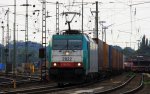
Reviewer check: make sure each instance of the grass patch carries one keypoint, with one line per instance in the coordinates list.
(147, 82)
(130, 74)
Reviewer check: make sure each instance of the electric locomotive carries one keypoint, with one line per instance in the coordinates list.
(73, 57)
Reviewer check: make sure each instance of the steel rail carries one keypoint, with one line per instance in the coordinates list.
(115, 88)
(137, 88)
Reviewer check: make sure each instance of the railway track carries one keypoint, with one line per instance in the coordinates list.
(116, 90)
(146, 87)
(31, 90)
(5, 81)
(10, 75)
(131, 86)
(91, 89)
(54, 89)
(50, 88)
(8, 83)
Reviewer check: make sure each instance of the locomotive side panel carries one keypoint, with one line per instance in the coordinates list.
(93, 57)
(100, 55)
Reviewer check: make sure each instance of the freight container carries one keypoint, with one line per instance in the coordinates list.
(121, 60)
(110, 57)
(117, 58)
(2, 67)
(106, 56)
(114, 59)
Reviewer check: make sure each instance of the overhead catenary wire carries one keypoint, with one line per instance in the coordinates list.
(109, 18)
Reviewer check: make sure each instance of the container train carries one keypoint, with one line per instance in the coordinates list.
(75, 57)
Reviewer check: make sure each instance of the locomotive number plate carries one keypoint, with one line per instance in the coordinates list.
(66, 58)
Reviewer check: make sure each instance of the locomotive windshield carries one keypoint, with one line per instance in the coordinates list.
(60, 44)
(67, 44)
(74, 44)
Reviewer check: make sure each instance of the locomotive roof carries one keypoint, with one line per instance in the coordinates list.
(71, 32)
(73, 36)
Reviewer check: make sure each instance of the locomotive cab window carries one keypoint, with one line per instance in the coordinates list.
(74, 44)
(59, 44)
(67, 45)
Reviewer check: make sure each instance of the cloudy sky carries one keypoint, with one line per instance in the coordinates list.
(117, 15)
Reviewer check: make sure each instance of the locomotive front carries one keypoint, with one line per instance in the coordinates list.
(66, 59)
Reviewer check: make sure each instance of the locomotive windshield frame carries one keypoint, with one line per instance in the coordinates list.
(69, 44)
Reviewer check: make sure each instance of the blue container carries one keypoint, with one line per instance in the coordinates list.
(2, 67)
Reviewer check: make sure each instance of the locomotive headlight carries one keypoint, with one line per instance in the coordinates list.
(54, 64)
(67, 53)
(79, 64)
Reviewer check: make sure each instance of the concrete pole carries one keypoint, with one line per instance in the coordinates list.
(82, 16)
(14, 40)
(96, 20)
